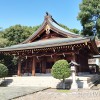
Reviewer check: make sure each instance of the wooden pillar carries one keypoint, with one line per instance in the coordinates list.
(19, 67)
(55, 58)
(44, 65)
(26, 66)
(33, 66)
(73, 57)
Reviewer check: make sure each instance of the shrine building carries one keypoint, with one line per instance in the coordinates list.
(50, 43)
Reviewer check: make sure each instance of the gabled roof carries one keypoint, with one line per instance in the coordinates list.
(49, 23)
(48, 20)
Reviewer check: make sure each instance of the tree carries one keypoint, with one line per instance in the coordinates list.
(11, 36)
(61, 70)
(89, 17)
(17, 34)
(3, 41)
(3, 70)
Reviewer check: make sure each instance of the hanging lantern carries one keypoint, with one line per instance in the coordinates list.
(26, 57)
(54, 50)
(85, 43)
(72, 48)
(63, 54)
(51, 56)
(37, 57)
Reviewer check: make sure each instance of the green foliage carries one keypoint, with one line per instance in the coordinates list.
(11, 36)
(89, 17)
(3, 70)
(3, 41)
(17, 34)
(61, 70)
(72, 30)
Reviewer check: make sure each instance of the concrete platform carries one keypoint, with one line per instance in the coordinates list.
(87, 81)
(46, 80)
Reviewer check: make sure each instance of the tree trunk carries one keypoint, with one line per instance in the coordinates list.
(63, 84)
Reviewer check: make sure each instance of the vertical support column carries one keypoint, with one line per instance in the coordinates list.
(74, 60)
(26, 66)
(33, 66)
(19, 67)
(55, 58)
(44, 65)
(73, 57)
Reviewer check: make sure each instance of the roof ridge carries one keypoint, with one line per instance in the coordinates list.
(52, 20)
(49, 16)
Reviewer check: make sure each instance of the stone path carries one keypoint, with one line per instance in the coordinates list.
(7, 93)
(51, 94)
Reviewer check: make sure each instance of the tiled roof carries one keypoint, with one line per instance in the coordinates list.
(53, 25)
(46, 43)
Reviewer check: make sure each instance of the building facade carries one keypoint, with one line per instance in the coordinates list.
(50, 43)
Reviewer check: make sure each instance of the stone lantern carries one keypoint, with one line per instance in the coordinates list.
(73, 70)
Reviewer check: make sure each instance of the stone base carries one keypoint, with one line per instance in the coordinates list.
(46, 80)
(87, 81)
(74, 86)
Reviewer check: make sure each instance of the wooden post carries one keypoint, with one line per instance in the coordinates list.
(73, 57)
(55, 58)
(44, 65)
(19, 67)
(33, 66)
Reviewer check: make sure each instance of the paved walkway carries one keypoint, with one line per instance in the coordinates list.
(29, 92)
(7, 93)
(54, 95)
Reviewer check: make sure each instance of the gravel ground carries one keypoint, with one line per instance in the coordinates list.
(41, 93)
(52, 94)
(7, 93)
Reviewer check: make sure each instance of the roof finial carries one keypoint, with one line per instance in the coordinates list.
(48, 16)
(47, 13)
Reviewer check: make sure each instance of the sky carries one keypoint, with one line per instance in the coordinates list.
(32, 12)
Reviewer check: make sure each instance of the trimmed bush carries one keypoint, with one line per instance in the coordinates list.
(3, 70)
(61, 70)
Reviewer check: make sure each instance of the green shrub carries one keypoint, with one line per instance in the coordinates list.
(61, 70)
(3, 70)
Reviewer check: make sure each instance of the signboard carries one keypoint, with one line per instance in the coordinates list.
(94, 61)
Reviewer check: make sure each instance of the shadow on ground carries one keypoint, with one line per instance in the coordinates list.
(68, 83)
(6, 82)
(96, 85)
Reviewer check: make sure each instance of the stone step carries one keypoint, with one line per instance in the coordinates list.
(49, 81)
(33, 81)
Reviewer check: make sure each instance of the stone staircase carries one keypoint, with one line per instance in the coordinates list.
(37, 81)
(46, 80)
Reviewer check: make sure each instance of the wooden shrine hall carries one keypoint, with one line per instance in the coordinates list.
(48, 44)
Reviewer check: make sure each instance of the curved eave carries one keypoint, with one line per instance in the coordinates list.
(59, 29)
(35, 33)
(46, 44)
